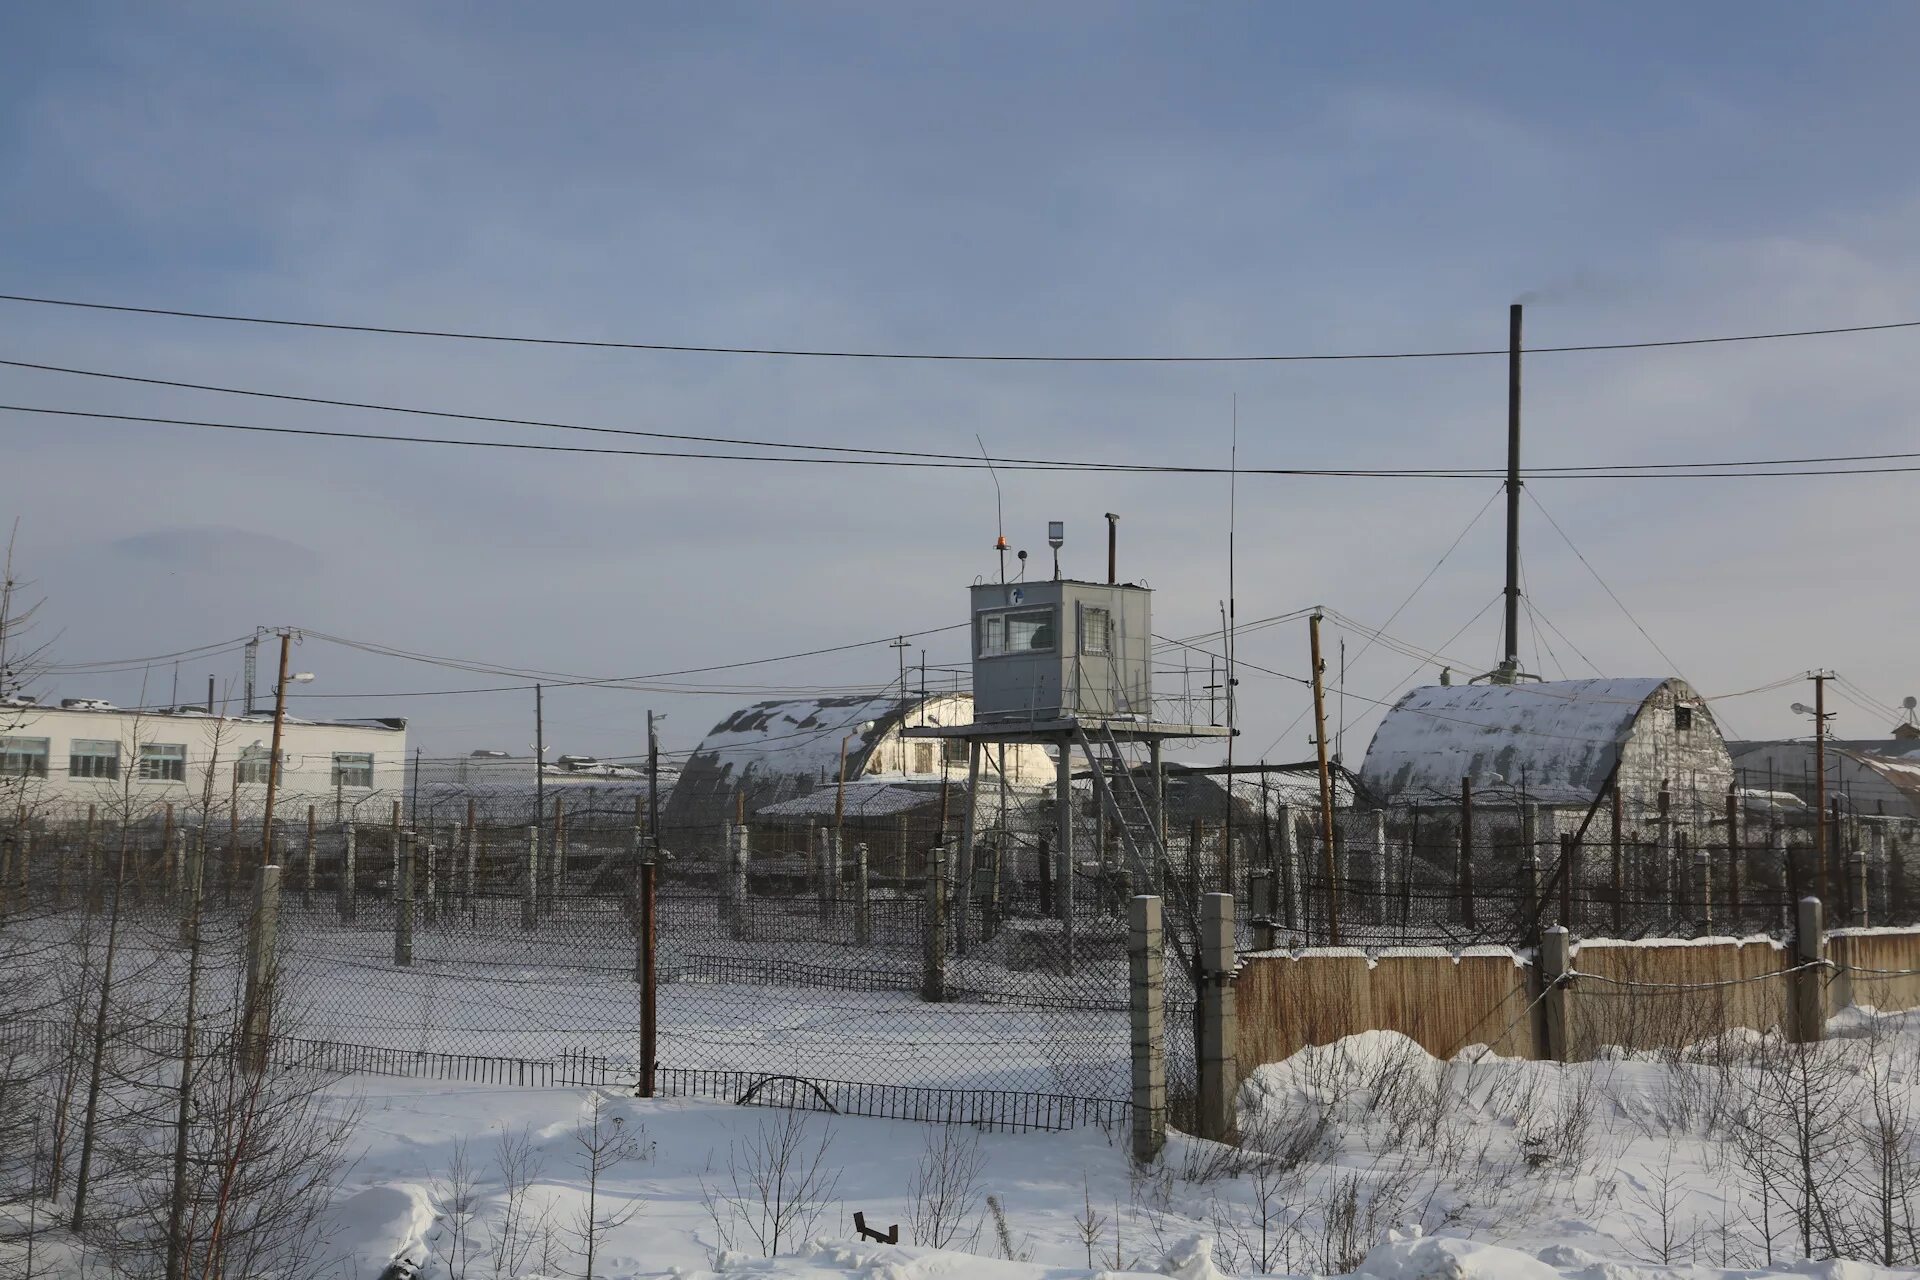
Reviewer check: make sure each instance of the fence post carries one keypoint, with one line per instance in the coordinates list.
(393, 838)
(1703, 892)
(823, 869)
(963, 901)
(262, 967)
(1556, 963)
(1861, 911)
(933, 976)
(1735, 855)
(644, 972)
(530, 891)
(1808, 998)
(1896, 876)
(403, 903)
(1464, 873)
(1046, 877)
(1530, 905)
(472, 843)
(306, 882)
(1617, 872)
(1569, 878)
(1260, 899)
(92, 888)
(862, 916)
(23, 855)
(557, 874)
(179, 854)
(349, 874)
(1146, 1016)
(1218, 1076)
(433, 883)
(737, 852)
(1287, 850)
(1663, 859)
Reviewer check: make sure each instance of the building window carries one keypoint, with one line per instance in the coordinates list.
(1683, 718)
(163, 762)
(93, 758)
(923, 757)
(953, 751)
(254, 764)
(1016, 631)
(24, 757)
(353, 769)
(1096, 631)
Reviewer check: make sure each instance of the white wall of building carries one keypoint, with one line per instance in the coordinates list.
(131, 764)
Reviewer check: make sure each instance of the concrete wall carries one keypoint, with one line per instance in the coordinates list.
(209, 742)
(1693, 763)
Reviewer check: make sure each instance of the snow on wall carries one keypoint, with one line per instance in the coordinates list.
(1558, 738)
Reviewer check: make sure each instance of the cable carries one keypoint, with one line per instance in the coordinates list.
(1451, 548)
(934, 462)
(601, 344)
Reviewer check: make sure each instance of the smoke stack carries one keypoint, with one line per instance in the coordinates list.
(1113, 539)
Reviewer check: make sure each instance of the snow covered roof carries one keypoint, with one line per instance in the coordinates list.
(1559, 738)
(866, 798)
(776, 750)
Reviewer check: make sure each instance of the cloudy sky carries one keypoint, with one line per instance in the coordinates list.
(1064, 178)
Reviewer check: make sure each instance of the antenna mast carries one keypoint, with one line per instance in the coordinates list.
(1509, 668)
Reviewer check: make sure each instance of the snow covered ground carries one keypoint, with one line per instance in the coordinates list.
(1364, 1157)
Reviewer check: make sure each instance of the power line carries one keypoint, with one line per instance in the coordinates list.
(988, 358)
(929, 462)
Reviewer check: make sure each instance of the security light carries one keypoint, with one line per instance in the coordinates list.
(1056, 533)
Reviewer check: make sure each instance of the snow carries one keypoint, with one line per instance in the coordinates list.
(1560, 736)
(1440, 1148)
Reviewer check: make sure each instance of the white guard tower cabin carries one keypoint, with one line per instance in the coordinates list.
(1066, 663)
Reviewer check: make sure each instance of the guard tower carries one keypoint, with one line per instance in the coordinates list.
(1054, 651)
(1069, 664)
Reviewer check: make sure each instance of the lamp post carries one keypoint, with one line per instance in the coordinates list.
(273, 758)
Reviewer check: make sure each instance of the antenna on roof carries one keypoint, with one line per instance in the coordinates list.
(999, 514)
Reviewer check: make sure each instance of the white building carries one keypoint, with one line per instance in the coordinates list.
(57, 760)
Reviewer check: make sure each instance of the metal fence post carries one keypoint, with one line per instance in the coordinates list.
(262, 967)
(1219, 1030)
(1464, 877)
(403, 904)
(862, 905)
(1146, 1016)
(646, 925)
(1808, 1012)
(933, 974)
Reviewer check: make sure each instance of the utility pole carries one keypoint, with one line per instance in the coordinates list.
(653, 783)
(1326, 781)
(899, 646)
(1820, 774)
(273, 759)
(253, 659)
(1510, 662)
(539, 757)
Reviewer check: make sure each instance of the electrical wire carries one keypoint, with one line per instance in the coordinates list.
(1451, 548)
(828, 353)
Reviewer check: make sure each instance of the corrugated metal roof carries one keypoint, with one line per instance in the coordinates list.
(1558, 738)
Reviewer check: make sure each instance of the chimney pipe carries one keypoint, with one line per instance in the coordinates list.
(1113, 538)
(209, 695)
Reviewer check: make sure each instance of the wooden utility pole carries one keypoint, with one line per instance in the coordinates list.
(273, 760)
(539, 757)
(1326, 782)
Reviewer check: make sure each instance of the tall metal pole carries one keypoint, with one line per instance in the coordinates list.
(1326, 782)
(273, 760)
(1510, 663)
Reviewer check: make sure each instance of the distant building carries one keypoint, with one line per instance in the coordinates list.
(772, 752)
(133, 763)
(504, 788)
(1552, 743)
(1868, 776)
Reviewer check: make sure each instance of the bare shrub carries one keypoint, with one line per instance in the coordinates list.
(944, 1190)
(602, 1143)
(517, 1226)
(778, 1183)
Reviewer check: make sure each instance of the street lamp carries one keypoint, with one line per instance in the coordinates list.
(273, 758)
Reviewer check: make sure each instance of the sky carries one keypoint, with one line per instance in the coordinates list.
(1062, 179)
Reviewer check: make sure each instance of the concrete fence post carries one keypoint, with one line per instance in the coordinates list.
(1286, 848)
(557, 873)
(1556, 964)
(432, 914)
(530, 891)
(194, 880)
(1146, 1016)
(1862, 909)
(262, 968)
(179, 856)
(1807, 1012)
(1219, 1078)
(862, 904)
(473, 860)
(1703, 886)
(1262, 898)
(825, 872)
(737, 887)
(348, 889)
(403, 903)
(933, 974)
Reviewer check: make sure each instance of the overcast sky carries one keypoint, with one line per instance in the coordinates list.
(1062, 178)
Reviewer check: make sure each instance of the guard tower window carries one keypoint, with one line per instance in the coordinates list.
(1682, 719)
(1096, 630)
(1007, 631)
